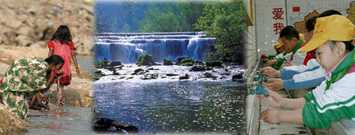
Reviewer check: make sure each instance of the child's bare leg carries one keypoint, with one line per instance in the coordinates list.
(274, 116)
(34, 100)
(60, 97)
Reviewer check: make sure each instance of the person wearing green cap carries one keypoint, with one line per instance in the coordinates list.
(334, 99)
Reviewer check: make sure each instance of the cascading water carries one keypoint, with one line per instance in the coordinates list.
(127, 47)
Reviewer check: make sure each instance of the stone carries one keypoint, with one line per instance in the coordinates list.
(179, 59)
(184, 77)
(149, 76)
(167, 62)
(198, 68)
(209, 75)
(238, 77)
(109, 125)
(23, 40)
(171, 74)
(138, 71)
(187, 62)
(145, 60)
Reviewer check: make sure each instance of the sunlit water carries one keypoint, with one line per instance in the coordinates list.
(175, 106)
(76, 121)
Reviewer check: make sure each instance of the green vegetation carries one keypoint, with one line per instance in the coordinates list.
(223, 20)
(145, 60)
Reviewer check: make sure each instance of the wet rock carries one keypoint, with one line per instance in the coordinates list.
(171, 74)
(152, 68)
(118, 67)
(109, 125)
(149, 76)
(179, 59)
(145, 60)
(238, 77)
(186, 62)
(115, 72)
(184, 77)
(209, 75)
(138, 71)
(198, 68)
(167, 62)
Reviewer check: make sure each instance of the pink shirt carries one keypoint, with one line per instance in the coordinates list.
(65, 51)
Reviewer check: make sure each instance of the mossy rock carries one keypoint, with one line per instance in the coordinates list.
(167, 62)
(145, 60)
(187, 62)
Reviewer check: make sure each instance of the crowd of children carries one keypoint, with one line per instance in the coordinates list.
(322, 65)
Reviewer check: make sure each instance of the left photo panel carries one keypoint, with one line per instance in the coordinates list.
(46, 61)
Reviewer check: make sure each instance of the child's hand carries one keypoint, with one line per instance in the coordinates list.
(270, 72)
(260, 90)
(270, 62)
(274, 84)
(270, 116)
(60, 72)
(273, 98)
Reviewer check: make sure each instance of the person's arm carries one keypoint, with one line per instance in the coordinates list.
(276, 100)
(323, 107)
(305, 80)
(293, 85)
(275, 116)
(74, 59)
(50, 47)
(50, 52)
(289, 72)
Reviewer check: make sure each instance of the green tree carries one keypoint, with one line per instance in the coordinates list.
(171, 17)
(225, 22)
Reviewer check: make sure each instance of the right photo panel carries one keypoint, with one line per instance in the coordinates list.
(300, 67)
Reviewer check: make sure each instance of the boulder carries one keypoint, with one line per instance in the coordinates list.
(184, 77)
(109, 125)
(209, 75)
(149, 76)
(238, 77)
(138, 71)
(179, 59)
(145, 60)
(198, 68)
(171, 74)
(167, 62)
(186, 62)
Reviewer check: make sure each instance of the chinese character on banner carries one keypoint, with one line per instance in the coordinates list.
(277, 27)
(277, 16)
(277, 13)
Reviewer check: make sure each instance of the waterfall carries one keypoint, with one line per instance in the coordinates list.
(127, 47)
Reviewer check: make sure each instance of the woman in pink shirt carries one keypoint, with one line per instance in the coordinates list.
(61, 44)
